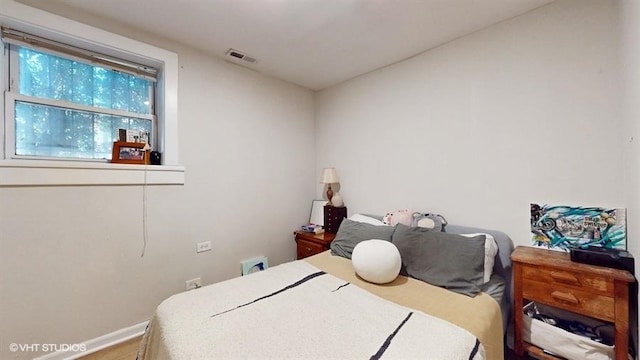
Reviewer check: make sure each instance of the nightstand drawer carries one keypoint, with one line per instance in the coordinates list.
(310, 244)
(307, 248)
(583, 282)
(583, 302)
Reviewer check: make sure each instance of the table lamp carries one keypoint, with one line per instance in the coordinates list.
(329, 176)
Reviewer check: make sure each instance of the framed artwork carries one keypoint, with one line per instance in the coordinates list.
(129, 153)
(317, 212)
(127, 135)
(254, 265)
(562, 227)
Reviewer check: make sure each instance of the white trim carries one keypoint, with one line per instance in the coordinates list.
(9, 127)
(12, 97)
(71, 173)
(99, 343)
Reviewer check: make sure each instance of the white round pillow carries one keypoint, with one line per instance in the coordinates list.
(376, 261)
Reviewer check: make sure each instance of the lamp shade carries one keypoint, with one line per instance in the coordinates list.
(329, 176)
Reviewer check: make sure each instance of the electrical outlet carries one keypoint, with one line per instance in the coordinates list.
(194, 284)
(203, 246)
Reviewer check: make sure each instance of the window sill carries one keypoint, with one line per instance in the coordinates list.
(71, 173)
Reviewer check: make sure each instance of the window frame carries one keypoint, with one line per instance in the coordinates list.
(19, 172)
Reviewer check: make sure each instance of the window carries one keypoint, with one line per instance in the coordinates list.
(65, 102)
(56, 36)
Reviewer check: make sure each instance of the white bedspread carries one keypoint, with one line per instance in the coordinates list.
(296, 311)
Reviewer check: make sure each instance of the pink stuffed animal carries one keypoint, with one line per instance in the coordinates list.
(399, 217)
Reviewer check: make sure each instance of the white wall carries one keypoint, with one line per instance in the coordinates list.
(70, 257)
(629, 11)
(630, 79)
(477, 129)
(540, 108)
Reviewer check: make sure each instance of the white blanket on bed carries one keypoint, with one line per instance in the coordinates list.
(296, 311)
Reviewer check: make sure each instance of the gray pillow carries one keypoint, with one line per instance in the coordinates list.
(451, 261)
(352, 232)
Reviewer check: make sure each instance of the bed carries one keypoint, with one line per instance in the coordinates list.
(319, 308)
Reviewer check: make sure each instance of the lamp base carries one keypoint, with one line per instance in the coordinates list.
(329, 195)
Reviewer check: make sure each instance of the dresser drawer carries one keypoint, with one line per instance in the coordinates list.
(307, 248)
(583, 302)
(584, 282)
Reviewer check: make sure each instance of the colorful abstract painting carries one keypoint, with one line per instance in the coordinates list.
(563, 227)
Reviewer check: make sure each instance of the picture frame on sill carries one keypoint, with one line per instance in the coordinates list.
(129, 153)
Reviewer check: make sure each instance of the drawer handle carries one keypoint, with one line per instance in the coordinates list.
(565, 297)
(308, 249)
(564, 277)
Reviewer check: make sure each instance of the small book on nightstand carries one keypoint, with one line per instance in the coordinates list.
(310, 228)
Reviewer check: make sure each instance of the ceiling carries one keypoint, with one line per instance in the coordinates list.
(312, 43)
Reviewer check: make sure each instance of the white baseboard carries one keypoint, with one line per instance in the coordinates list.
(99, 343)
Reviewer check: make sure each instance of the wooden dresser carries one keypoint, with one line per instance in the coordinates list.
(550, 277)
(333, 217)
(308, 244)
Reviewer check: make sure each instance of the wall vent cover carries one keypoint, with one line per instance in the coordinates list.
(239, 55)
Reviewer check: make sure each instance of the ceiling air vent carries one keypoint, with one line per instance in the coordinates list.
(239, 55)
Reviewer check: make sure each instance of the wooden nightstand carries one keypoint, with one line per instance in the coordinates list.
(551, 278)
(310, 244)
